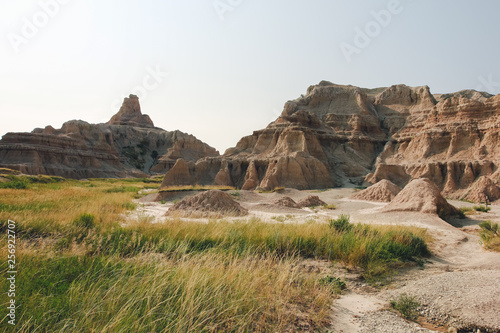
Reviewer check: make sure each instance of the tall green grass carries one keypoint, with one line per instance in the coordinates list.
(373, 248)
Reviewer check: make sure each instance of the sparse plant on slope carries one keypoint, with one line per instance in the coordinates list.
(407, 306)
(484, 209)
(335, 282)
(490, 235)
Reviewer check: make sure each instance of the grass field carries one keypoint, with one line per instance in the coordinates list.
(83, 269)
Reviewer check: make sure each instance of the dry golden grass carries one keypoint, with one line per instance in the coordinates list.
(201, 293)
(51, 207)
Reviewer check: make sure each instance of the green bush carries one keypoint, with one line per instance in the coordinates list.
(341, 224)
(407, 306)
(334, 282)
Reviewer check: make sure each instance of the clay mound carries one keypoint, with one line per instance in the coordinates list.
(286, 202)
(311, 201)
(212, 203)
(483, 190)
(383, 191)
(421, 195)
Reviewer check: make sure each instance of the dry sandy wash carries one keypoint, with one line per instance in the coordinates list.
(458, 287)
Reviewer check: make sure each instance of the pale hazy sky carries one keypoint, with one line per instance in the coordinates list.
(231, 64)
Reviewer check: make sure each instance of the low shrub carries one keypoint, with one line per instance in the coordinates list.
(407, 306)
(482, 208)
(464, 211)
(335, 282)
(490, 235)
(341, 224)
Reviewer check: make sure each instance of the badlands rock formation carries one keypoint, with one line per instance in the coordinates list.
(128, 145)
(383, 191)
(421, 195)
(336, 134)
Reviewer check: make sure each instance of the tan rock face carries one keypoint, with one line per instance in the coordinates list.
(127, 146)
(483, 190)
(421, 195)
(336, 134)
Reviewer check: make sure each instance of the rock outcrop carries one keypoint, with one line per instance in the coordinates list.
(383, 191)
(311, 201)
(421, 195)
(127, 146)
(212, 203)
(483, 190)
(286, 202)
(337, 134)
(130, 114)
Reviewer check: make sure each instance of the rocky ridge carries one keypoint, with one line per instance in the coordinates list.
(129, 145)
(337, 134)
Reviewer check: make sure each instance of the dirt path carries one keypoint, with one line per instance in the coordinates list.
(458, 287)
(349, 308)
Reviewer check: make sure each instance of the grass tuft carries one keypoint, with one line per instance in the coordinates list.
(85, 221)
(335, 282)
(490, 235)
(482, 208)
(407, 306)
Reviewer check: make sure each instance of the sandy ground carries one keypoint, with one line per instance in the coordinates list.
(459, 286)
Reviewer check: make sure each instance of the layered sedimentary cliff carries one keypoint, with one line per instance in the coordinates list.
(336, 134)
(128, 145)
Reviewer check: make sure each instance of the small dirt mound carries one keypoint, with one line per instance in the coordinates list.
(286, 202)
(483, 190)
(421, 195)
(383, 191)
(212, 203)
(311, 201)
